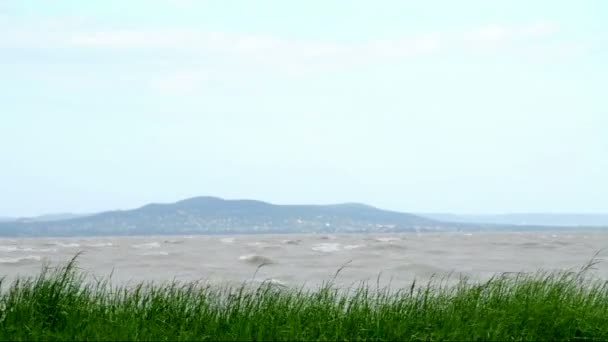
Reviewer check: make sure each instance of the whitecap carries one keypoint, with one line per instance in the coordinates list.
(353, 246)
(67, 245)
(101, 244)
(159, 253)
(146, 245)
(9, 249)
(387, 239)
(291, 242)
(173, 242)
(227, 240)
(326, 247)
(44, 250)
(263, 245)
(20, 260)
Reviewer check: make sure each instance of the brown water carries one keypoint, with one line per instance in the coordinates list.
(297, 260)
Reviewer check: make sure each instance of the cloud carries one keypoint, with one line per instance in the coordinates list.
(499, 34)
(190, 58)
(192, 41)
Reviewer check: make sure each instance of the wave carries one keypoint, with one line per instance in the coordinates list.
(146, 245)
(20, 260)
(291, 242)
(273, 282)
(420, 269)
(100, 244)
(387, 239)
(562, 243)
(390, 245)
(66, 245)
(326, 247)
(227, 240)
(159, 253)
(255, 259)
(174, 242)
(353, 246)
(263, 245)
(9, 249)
(502, 243)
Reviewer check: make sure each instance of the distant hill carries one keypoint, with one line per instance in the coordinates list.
(50, 217)
(531, 219)
(211, 215)
(43, 218)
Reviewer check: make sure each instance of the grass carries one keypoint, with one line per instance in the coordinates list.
(59, 304)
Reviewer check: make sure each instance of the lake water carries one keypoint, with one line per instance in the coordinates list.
(308, 260)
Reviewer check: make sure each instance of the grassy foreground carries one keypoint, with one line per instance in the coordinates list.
(59, 305)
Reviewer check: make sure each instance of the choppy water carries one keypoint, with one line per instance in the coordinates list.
(297, 260)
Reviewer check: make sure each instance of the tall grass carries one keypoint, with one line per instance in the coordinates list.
(59, 304)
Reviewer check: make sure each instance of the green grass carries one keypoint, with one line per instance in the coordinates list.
(59, 304)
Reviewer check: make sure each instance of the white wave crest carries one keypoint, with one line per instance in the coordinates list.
(173, 242)
(326, 247)
(146, 245)
(387, 239)
(227, 240)
(20, 260)
(66, 245)
(159, 253)
(257, 244)
(9, 249)
(353, 246)
(101, 244)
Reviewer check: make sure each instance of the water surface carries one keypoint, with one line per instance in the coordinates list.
(297, 260)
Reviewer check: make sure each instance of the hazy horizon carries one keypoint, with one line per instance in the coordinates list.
(423, 107)
(461, 214)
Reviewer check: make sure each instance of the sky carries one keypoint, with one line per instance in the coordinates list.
(468, 106)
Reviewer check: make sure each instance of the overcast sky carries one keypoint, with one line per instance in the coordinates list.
(448, 106)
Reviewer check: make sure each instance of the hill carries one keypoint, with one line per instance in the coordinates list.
(211, 215)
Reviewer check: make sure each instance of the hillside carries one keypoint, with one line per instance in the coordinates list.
(211, 215)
